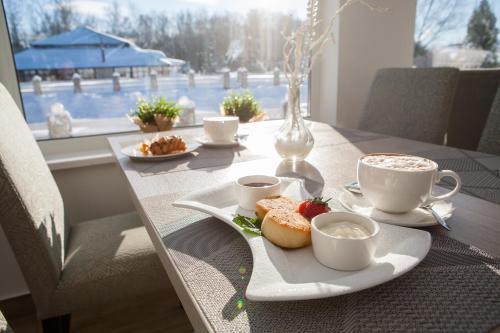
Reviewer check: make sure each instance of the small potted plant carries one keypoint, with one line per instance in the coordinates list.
(160, 115)
(244, 105)
(143, 116)
(165, 113)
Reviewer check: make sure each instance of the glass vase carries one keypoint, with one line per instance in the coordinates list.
(293, 141)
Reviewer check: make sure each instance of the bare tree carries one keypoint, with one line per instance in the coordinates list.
(434, 17)
(115, 18)
(14, 14)
(52, 17)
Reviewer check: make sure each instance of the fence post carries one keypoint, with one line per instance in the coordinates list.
(37, 85)
(244, 78)
(116, 82)
(77, 83)
(238, 74)
(276, 78)
(153, 79)
(226, 79)
(191, 80)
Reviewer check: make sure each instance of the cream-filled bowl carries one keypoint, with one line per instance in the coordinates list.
(251, 189)
(220, 129)
(344, 241)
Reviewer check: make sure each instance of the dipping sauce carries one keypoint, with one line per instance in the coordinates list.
(345, 229)
(258, 184)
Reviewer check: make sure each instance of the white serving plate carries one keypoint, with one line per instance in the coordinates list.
(137, 155)
(419, 217)
(285, 275)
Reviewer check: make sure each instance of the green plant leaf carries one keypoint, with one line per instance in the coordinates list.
(251, 225)
(244, 105)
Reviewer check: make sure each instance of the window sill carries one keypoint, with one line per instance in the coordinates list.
(87, 127)
(62, 162)
(80, 152)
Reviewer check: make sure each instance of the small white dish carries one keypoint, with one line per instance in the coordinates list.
(286, 275)
(204, 141)
(135, 154)
(416, 218)
(346, 254)
(250, 189)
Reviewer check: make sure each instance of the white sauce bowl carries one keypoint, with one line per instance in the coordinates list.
(346, 254)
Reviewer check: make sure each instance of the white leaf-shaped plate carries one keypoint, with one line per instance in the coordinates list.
(284, 275)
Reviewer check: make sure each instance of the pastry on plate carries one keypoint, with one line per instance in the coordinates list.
(286, 228)
(265, 205)
(164, 145)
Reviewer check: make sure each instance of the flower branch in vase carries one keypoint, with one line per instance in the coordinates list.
(301, 49)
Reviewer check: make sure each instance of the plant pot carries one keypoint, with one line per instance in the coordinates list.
(148, 128)
(144, 127)
(164, 123)
(260, 117)
(244, 115)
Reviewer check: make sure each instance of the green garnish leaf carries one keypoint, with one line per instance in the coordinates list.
(251, 225)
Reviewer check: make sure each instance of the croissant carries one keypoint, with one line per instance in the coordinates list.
(167, 145)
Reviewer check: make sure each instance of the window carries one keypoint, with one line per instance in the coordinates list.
(97, 57)
(457, 33)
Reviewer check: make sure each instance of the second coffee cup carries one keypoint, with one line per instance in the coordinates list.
(398, 183)
(220, 129)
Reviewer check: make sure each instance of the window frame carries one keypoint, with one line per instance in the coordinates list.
(62, 150)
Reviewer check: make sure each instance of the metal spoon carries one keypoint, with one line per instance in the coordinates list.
(438, 217)
(354, 188)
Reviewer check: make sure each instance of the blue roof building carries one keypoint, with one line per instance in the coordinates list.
(85, 48)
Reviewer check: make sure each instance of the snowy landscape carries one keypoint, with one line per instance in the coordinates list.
(100, 104)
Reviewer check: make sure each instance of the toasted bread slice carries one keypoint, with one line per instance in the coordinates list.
(279, 202)
(286, 228)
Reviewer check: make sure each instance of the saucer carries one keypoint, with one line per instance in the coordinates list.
(416, 218)
(203, 140)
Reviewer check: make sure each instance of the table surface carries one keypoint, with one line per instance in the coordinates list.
(331, 164)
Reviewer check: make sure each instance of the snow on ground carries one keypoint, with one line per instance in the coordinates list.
(98, 101)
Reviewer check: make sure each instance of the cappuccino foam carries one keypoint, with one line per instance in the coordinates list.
(399, 162)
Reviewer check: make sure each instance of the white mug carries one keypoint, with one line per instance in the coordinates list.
(220, 129)
(398, 190)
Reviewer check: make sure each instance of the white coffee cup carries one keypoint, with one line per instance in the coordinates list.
(401, 189)
(251, 189)
(220, 129)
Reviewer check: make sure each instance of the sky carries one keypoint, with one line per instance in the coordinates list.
(173, 6)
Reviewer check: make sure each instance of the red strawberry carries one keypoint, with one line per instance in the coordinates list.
(312, 207)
